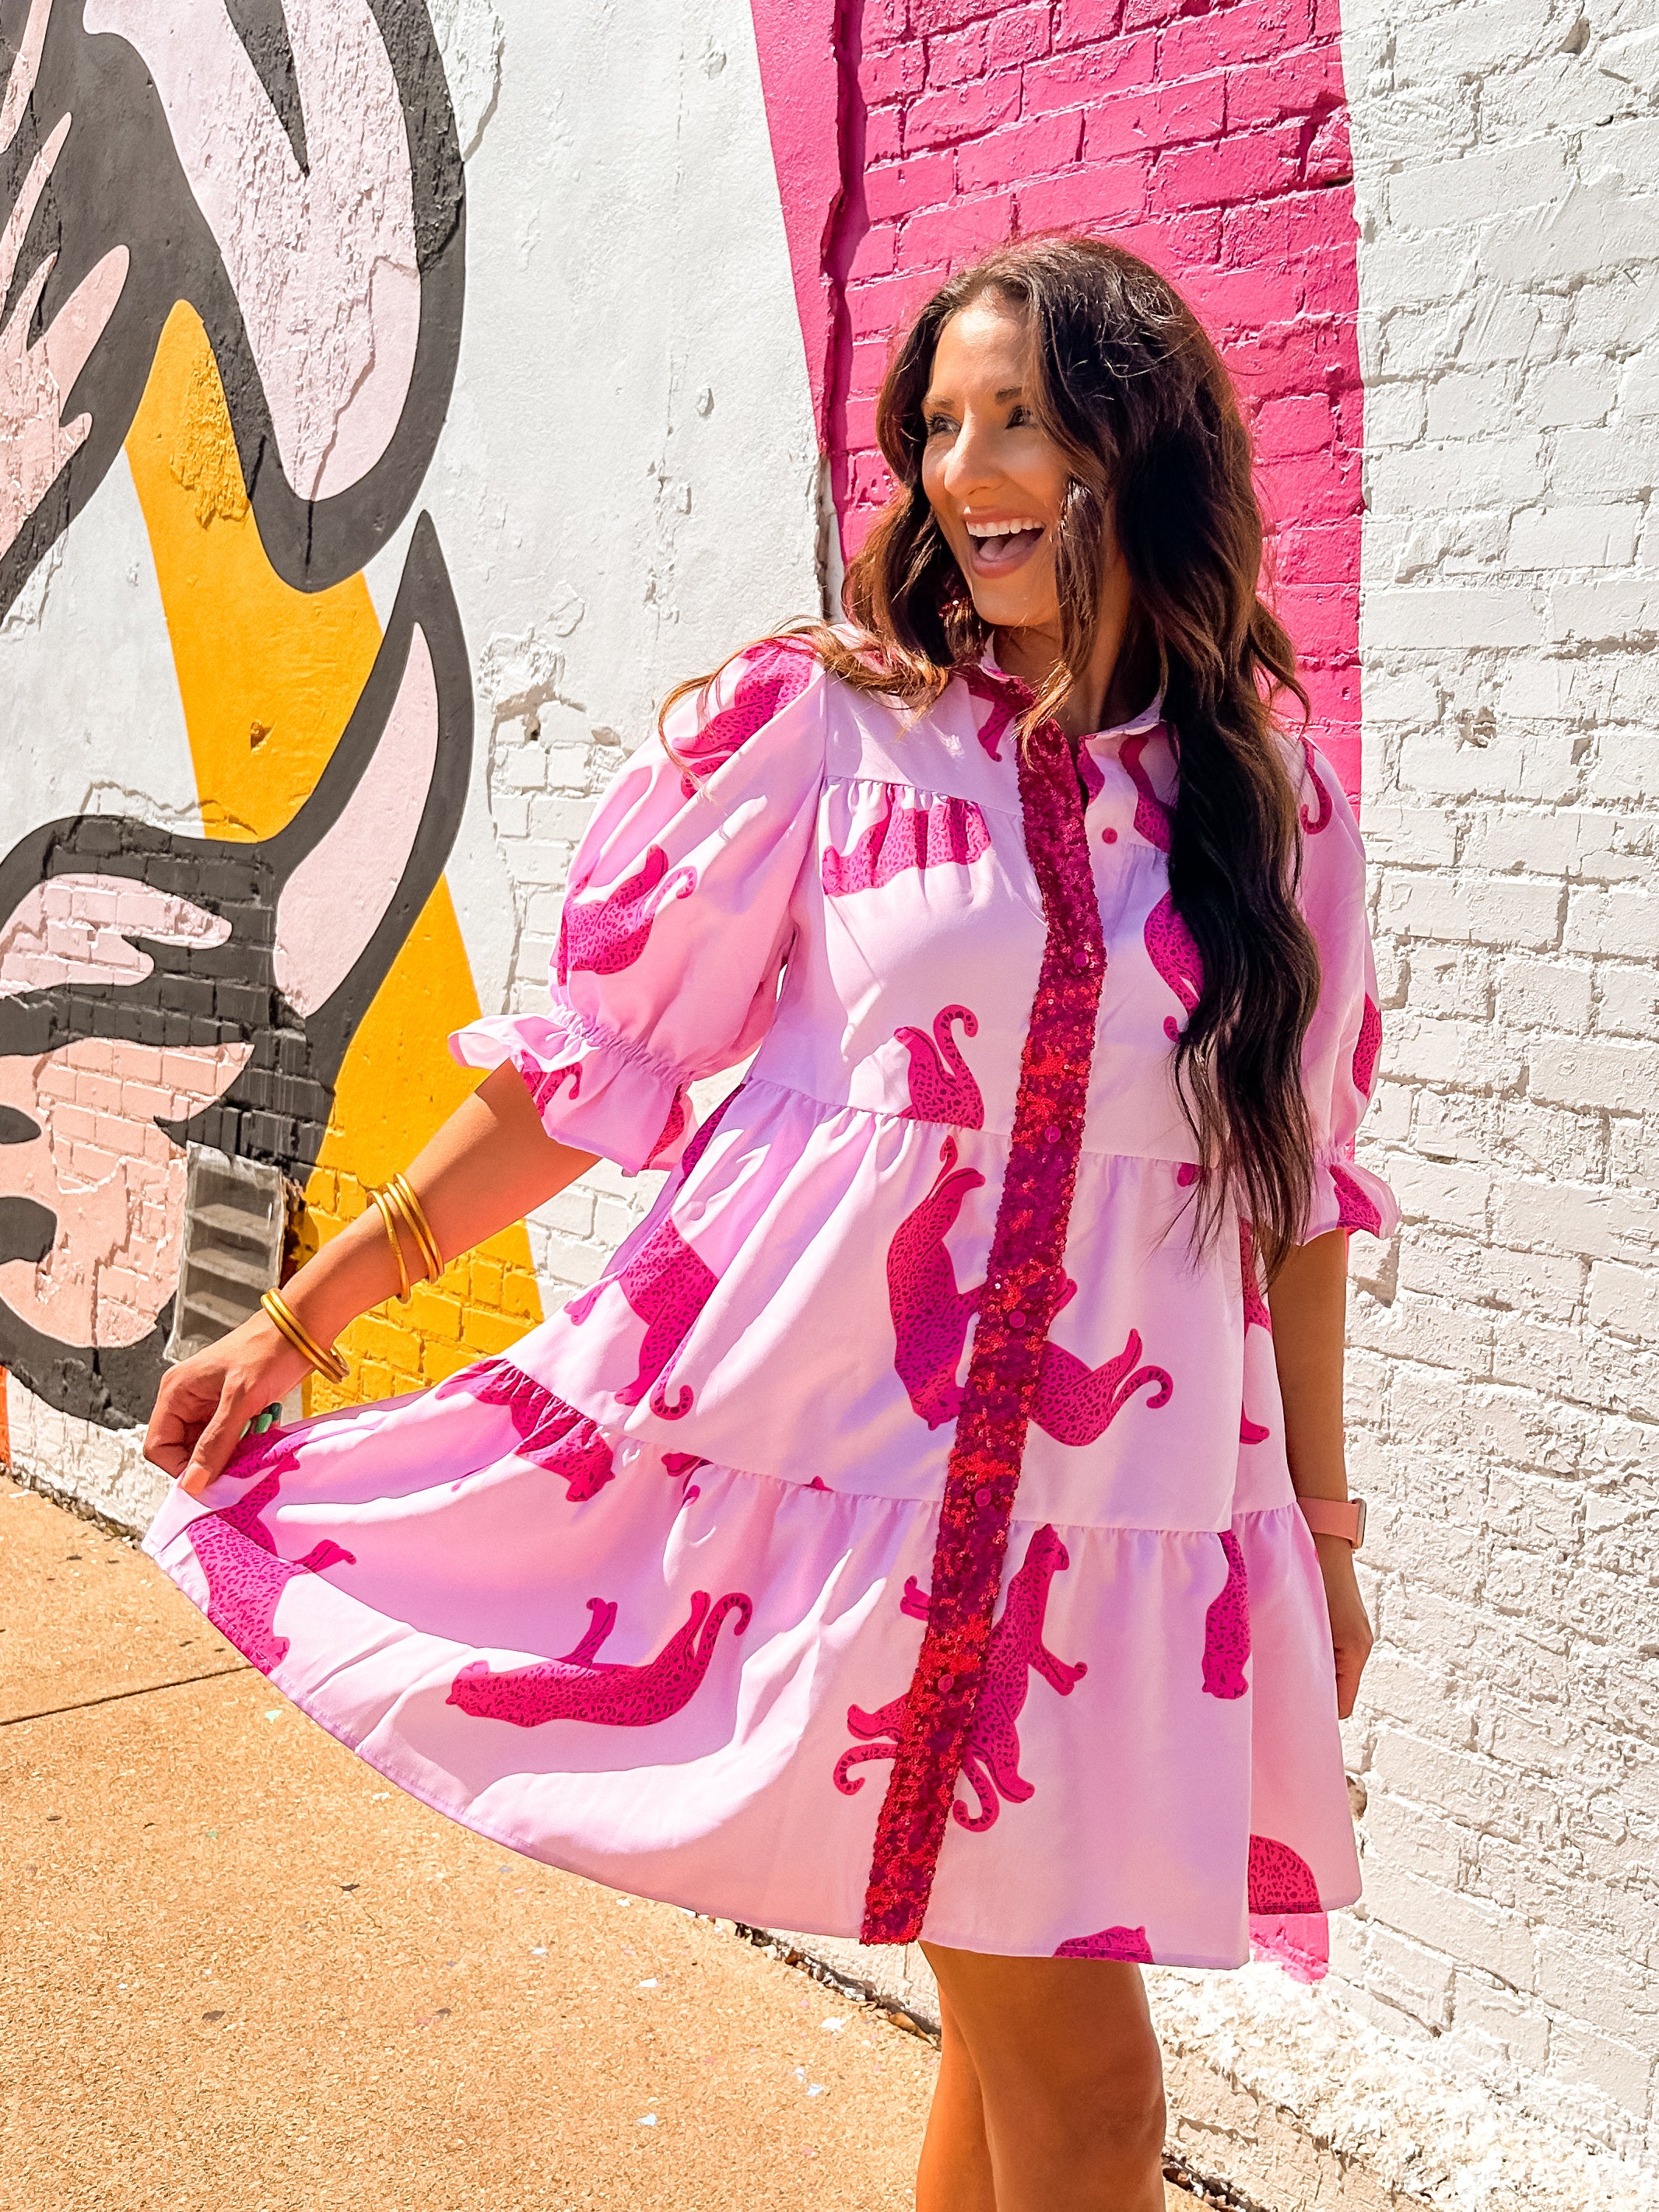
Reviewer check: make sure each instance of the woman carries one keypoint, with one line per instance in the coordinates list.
(901, 1539)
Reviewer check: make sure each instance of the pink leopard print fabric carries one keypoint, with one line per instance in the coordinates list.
(894, 1535)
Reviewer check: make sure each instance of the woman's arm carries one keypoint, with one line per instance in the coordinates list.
(489, 1164)
(1308, 1301)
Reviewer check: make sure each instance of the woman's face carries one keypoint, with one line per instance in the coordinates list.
(994, 478)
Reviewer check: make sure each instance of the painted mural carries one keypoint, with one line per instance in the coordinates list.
(233, 253)
(233, 259)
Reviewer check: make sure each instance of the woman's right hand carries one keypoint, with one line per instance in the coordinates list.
(205, 1402)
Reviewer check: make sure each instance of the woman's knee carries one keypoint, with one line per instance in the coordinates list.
(1111, 2117)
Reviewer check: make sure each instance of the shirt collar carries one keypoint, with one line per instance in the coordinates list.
(1148, 719)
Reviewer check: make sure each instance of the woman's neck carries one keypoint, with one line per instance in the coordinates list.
(1116, 684)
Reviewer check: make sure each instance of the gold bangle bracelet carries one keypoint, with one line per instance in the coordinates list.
(395, 1200)
(284, 1318)
(415, 1213)
(389, 1222)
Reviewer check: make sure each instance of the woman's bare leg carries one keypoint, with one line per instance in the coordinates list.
(1069, 2081)
(954, 2174)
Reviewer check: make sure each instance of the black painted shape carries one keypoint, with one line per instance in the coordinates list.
(262, 29)
(118, 182)
(17, 1128)
(28, 1231)
(204, 996)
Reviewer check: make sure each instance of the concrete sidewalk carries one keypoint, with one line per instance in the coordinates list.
(240, 1971)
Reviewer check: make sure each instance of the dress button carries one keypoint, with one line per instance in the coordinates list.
(1108, 837)
(982, 1495)
(1079, 959)
(1051, 1135)
(1018, 1317)
(947, 1682)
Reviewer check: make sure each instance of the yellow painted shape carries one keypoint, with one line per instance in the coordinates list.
(268, 677)
(393, 1094)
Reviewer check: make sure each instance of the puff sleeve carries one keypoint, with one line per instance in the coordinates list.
(677, 921)
(1340, 1052)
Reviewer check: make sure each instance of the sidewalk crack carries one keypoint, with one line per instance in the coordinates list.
(114, 1696)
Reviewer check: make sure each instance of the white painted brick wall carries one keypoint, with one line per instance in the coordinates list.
(1506, 1369)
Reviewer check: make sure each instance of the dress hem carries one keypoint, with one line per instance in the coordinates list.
(434, 1802)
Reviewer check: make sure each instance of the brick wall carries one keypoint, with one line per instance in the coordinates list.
(1214, 141)
(1505, 1378)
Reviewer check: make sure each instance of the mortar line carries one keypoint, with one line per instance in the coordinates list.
(114, 1696)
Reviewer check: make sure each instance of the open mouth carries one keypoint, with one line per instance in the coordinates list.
(998, 549)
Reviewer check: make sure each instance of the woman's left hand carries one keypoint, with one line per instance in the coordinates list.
(1350, 1627)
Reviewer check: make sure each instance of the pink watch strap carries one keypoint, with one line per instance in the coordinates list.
(1335, 1516)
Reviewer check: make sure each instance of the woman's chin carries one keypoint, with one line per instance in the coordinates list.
(1002, 606)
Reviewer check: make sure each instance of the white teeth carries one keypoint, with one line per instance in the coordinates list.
(999, 529)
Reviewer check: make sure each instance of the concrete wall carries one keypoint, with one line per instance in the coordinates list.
(414, 394)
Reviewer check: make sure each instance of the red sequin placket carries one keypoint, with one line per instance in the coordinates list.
(1022, 1287)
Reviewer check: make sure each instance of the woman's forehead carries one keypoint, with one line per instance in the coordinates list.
(988, 343)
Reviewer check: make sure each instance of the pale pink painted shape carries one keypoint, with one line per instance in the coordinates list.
(1367, 1046)
(1227, 1627)
(1152, 818)
(83, 928)
(991, 1763)
(1171, 947)
(341, 890)
(930, 1313)
(36, 444)
(942, 1086)
(944, 832)
(605, 935)
(244, 1577)
(604, 1693)
(114, 1180)
(25, 68)
(1128, 1944)
(322, 260)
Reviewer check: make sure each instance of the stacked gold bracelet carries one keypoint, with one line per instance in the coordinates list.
(398, 1204)
(389, 1222)
(327, 1360)
(399, 1191)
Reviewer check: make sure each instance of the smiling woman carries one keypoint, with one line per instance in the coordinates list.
(901, 1538)
(997, 482)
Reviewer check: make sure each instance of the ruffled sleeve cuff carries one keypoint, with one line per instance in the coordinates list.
(594, 1091)
(1347, 1196)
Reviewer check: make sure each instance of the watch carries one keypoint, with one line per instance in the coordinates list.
(1335, 1516)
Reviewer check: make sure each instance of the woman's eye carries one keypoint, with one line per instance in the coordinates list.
(939, 426)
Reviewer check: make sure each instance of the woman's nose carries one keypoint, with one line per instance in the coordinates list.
(970, 466)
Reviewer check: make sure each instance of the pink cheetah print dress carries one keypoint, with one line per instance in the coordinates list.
(874, 1548)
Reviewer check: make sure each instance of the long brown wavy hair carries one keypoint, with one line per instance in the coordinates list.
(1130, 388)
